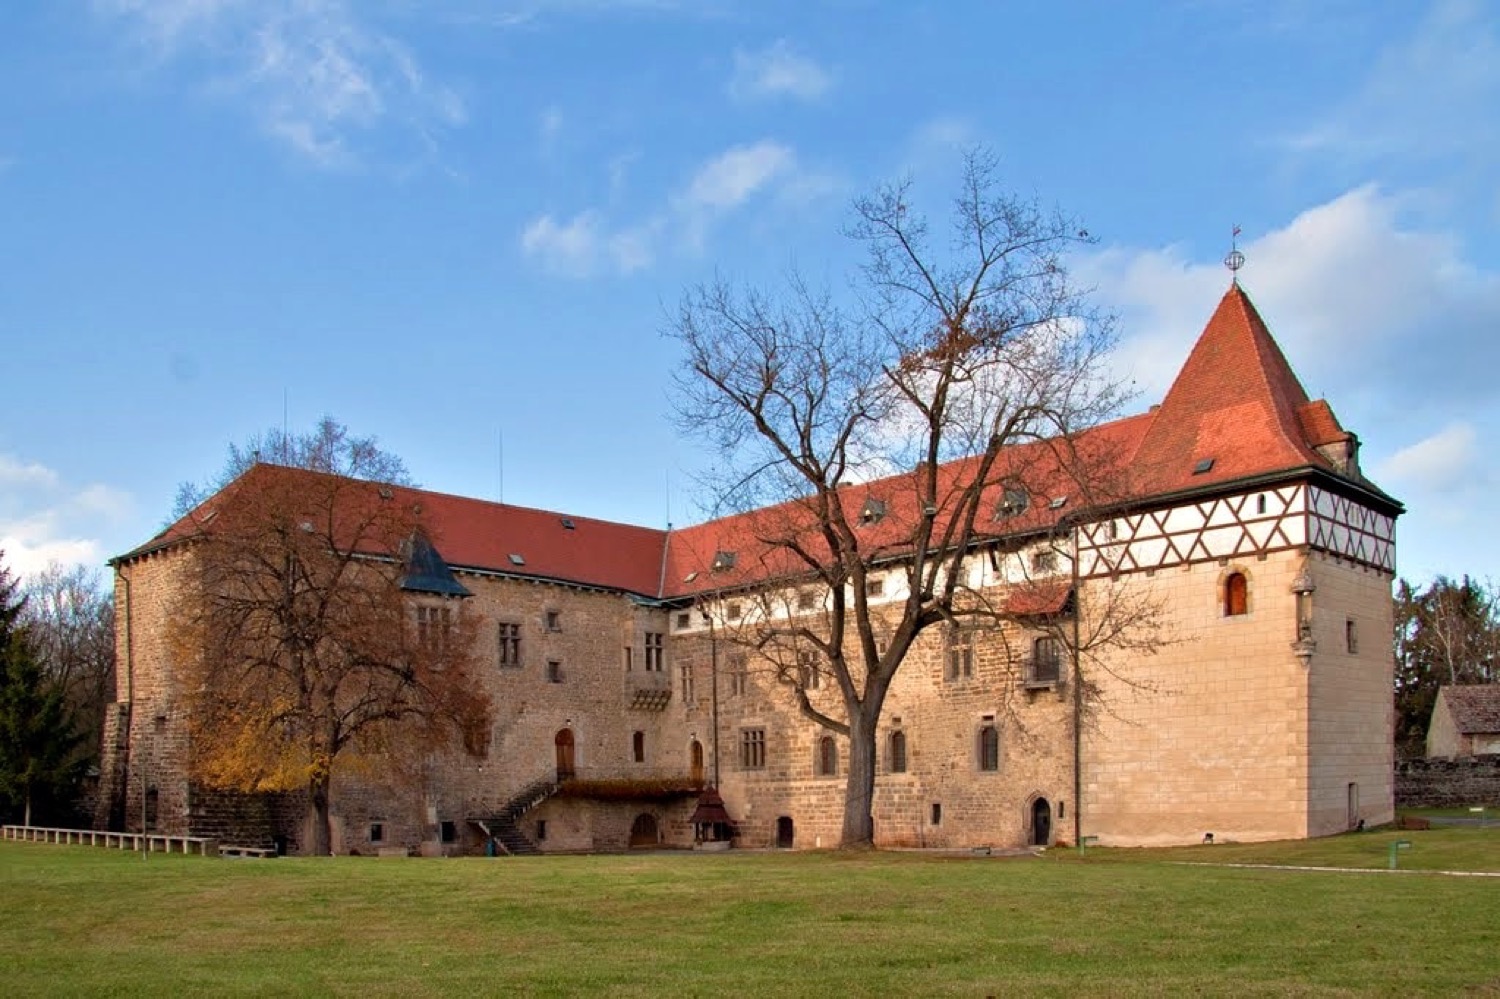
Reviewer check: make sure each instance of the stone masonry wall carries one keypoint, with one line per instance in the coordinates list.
(1440, 783)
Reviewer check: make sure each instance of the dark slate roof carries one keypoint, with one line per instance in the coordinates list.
(1475, 707)
(426, 572)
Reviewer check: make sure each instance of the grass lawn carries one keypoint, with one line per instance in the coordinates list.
(1119, 922)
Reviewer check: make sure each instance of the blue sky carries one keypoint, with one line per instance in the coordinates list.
(456, 222)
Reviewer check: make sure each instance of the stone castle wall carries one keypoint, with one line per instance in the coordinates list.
(1449, 783)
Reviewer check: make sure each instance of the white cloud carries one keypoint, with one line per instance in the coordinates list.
(728, 179)
(44, 519)
(588, 243)
(1430, 97)
(1353, 292)
(315, 77)
(777, 71)
(583, 245)
(1440, 463)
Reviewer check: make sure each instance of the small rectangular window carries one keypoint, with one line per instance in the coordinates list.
(629, 658)
(753, 748)
(1044, 561)
(377, 832)
(554, 620)
(684, 621)
(655, 652)
(937, 813)
(734, 610)
(685, 680)
(554, 671)
(541, 829)
(806, 599)
(874, 587)
(449, 831)
(1351, 636)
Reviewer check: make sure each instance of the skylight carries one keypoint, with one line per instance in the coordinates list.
(1204, 464)
(1058, 502)
(516, 559)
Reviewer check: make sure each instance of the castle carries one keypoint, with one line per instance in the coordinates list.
(620, 692)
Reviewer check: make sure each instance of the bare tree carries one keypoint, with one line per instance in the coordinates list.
(71, 618)
(962, 375)
(306, 648)
(1447, 634)
(328, 447)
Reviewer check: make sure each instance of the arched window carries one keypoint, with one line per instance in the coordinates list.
(827, 762)
(1236, 594)
(989, 748)
(638, 747)
(897, 754)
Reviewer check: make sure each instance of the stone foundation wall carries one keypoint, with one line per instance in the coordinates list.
(1440, 783)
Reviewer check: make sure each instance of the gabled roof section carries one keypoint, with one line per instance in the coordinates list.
(1475, 707)
(426, 572)
(1235, 401)
(471, 533)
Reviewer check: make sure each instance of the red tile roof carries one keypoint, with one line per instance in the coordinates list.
(1236, 401)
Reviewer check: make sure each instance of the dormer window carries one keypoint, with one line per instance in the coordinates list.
(724, 561)
(873, 512)
(1013, 501)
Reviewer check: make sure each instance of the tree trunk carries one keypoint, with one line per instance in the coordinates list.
(27, 820)
(322, 830)
(859, 793)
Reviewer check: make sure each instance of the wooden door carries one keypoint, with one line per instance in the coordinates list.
(697, 753)
(1041, 822)
(564, 743)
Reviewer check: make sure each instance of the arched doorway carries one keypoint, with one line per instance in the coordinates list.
(784, 832)
(564, 743)
(697, 761)
(644, 832)
(1041, 822)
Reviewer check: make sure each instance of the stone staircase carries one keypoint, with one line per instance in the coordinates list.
(503, 825)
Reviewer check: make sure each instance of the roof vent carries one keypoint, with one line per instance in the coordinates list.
(385, 492)
(1204, 465)
(690, 577)
(1058, 502)
(516, 559)
(567, 523)
(723, 561)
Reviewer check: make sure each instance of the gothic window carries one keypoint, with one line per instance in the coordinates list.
(1236, 595)
(989, 748)
(896, 754)
(827, 762)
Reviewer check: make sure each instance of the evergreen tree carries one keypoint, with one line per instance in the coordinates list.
(38, 739)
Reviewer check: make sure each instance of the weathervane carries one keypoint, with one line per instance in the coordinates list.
(1236, 259)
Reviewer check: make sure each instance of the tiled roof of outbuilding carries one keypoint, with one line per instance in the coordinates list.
(1475, 707)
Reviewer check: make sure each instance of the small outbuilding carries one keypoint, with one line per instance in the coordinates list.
(1465, 721)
